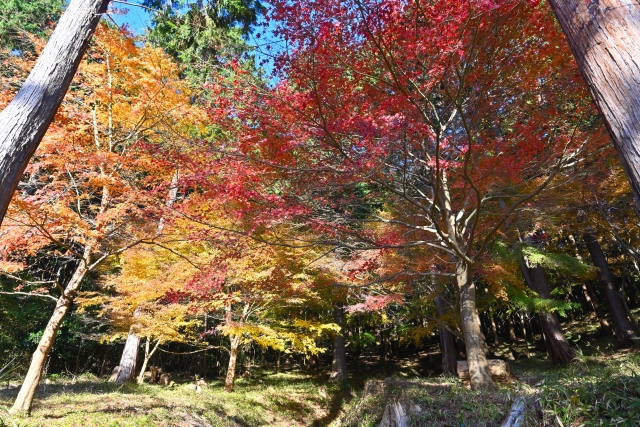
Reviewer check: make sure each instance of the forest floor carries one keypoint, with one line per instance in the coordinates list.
(600, 387)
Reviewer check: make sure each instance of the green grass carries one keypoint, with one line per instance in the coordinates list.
(602, 390)
(436, 402)
(599, 388)
(284, 399)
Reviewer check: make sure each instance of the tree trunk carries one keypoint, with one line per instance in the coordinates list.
(604, 36)
(524, 334)
(473, 338)
(339, 364)
(447, 341)
(147, 356)
(28, 390)
(558, 347)
(593, 300)
(625, 335)
(512, 331)
(494, 328)
(129, 358)
(233, 358)
(25, 120)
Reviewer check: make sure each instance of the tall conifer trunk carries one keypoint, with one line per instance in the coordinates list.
(447, 341)
(558, 347)
(339, 364)
(25, 120)
(604, 36)
(625, 335)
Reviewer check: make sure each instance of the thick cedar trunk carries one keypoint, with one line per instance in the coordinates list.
(129, 358)
(28, 390)
(604, 36)
(233, 358)
(558, 347)
(625, 335)
(447, 341)
(339, 364)
(473, 338)
(25, 120)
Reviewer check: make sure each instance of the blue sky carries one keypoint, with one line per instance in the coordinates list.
(137, 18)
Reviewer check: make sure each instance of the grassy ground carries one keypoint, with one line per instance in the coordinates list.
(599, 388)
(285, 399)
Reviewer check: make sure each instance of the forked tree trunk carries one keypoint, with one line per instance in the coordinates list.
(447, 341)
(28, 390)
(558, 347)
(474, 340)
(625, 335)
(339, 364)
(129, 358)
(233, 358)
(604, 36)
(25, 120)
(147, 356)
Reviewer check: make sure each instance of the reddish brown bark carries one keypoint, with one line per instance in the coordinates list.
(625, 335)
(604, 36)
(558, 347)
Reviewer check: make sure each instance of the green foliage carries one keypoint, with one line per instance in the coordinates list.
(18, 17)
(593, 391)
(520, 301)
(558, 262)
(202, 34)
(362, 340)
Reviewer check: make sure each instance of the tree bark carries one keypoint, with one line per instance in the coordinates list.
(512, 331)
(233, 358)
(604, 36)
(28, 390)
(473, 338)
(595, 303)
(25, 120)
(524, 334)
(558, 348)
(129, 358)
(147, 357)
(447, 341)
(339, 364)
(494, 328)
(625, 335)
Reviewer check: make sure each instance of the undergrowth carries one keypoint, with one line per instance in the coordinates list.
(592, 391)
